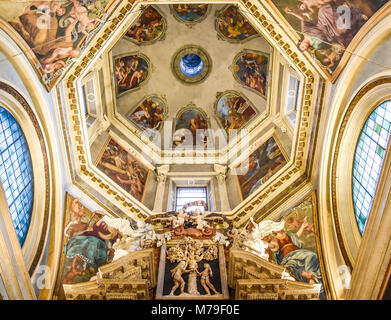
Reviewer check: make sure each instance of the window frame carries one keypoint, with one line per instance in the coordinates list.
(180, 181)
(32, 180)
(190, 186)
(19, 108)
(291, 114)
(373, 109)
(360, 107)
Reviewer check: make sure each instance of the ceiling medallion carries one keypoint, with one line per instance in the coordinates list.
(191, 64)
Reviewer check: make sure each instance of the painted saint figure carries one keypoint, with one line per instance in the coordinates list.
(130, 72)
(327, 27)
(251, 69)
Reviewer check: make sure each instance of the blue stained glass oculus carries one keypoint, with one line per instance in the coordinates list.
(368, 161)
(16, 174)
(191, 65)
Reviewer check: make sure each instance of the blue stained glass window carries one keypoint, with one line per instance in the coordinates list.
(16, 174)
(185, 195)
(191, 65)
(368, 161)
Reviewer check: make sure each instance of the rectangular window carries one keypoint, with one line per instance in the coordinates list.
(292, 98)
(84, 100)
(185, 195)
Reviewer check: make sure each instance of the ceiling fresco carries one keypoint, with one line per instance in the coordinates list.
(203, 64)
(55, 31)
(149, 28)
(251, 68)
(233, 110)
(328, 29)
(187, 76)
(232, 26)
(124, 169)
(130, 72)
(190, 13)
(261, 165)
(149, 114)
(140, 93)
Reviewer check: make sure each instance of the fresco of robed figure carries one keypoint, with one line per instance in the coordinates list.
(251, 69)
(291, 242)
(262, 164)
(130, 72)
(234, 111)
(87, 242)
(191, 129)
(124, 169)
(54, 30)
(148, 28)
(323, 28)
(231, 24)
(149, 114)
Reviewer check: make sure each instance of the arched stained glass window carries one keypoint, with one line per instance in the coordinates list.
(368, 161)
(16, 173)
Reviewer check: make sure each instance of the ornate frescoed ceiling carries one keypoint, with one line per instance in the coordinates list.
(209, 86)
(165, 70)
(154, 96)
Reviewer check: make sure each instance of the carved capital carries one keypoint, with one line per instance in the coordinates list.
(221, 173)
(162, 172)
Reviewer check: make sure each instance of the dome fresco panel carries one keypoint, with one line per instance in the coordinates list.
(194, 130)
